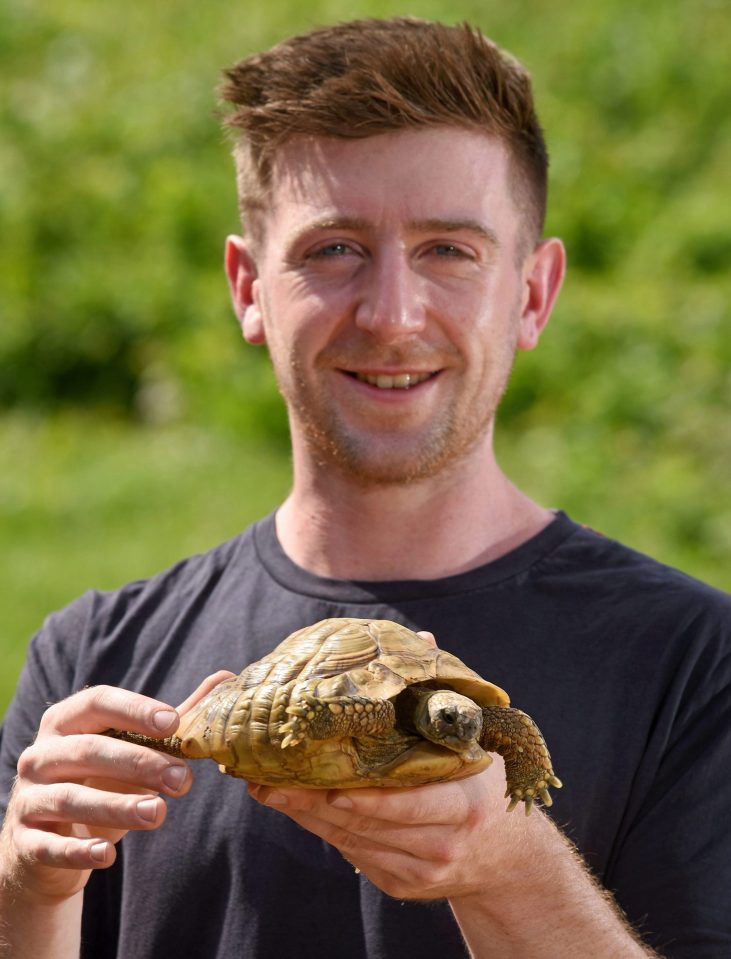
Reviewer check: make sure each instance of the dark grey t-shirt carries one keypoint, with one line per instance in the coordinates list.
(624, 663)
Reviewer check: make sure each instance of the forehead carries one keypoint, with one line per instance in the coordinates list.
(447, 173)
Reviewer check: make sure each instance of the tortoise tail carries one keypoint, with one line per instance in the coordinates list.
(170, 745)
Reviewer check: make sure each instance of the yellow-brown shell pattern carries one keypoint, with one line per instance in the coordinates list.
(238, 724)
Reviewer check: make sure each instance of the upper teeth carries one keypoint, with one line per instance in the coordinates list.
(402, 381)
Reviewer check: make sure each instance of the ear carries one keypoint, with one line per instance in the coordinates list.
(243, 281)
(543, 274)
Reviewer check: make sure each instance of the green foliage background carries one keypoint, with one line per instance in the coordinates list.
(136, 427)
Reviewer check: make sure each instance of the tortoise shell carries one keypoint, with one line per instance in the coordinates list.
(245, 723)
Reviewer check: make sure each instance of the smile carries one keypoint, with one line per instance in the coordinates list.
(400, 381)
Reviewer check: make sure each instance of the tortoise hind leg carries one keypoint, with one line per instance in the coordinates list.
(335, 717)
(528, 770)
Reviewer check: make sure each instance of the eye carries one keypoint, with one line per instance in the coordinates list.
(449, 249)
(330, 250)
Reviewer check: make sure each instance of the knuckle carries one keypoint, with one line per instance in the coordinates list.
(445, 851)
(33, 803)
(363, 825)
(420, 809)
(433, 876)
(50, 717)
(97, 696)
(79, 750)
(140, 760)
(28, 762)
(346, 842)
(110, 699)
(60, 799)
(69, 853)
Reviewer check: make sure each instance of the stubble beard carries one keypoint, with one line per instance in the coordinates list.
(390, 459)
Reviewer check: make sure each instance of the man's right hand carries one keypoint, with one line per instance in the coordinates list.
(77, 792)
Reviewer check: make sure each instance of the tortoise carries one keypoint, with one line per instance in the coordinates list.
(360, 702)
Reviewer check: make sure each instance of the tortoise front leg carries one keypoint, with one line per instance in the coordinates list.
(335, 717)
(513, 735)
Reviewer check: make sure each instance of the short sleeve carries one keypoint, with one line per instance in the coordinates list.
(47, 677)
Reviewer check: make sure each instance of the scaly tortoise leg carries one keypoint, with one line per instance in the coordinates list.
(514, 736)
(334, 717)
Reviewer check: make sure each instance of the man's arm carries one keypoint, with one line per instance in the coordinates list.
(516, 886)
(554, 906)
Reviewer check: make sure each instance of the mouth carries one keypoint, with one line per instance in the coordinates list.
(392, 381)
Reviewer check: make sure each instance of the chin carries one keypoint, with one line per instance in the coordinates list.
(397, 461)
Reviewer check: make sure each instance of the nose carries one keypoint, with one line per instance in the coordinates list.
(390, 306)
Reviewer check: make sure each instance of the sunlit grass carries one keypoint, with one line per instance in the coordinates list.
(87, 502)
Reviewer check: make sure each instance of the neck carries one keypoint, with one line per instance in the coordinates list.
(427, 530)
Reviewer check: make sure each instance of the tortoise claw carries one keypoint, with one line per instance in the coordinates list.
(532, 793)
(292, 734)
(299, 711)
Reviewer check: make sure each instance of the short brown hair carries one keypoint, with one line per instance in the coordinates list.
(366, 77)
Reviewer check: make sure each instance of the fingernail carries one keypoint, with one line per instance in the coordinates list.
(146, 809)
(163, 719)
(341, 802)
(99, 851)
(174, 777)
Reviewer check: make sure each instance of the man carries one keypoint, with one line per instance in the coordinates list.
(392, 182)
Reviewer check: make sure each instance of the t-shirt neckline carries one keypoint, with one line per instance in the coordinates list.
(299, 580)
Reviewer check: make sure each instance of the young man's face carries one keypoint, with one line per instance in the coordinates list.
(389, 290)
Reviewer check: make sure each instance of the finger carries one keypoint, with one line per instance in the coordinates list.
(400, 871)
(354, 847)
(56, 759)
(426, 841)
(63, 852)
(436, 804)
(209, 683)
(429, 637)
(356, 836)
(458, 801)
(103, 707)
(64, 803)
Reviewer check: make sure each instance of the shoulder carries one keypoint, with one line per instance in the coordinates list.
(628, 620)
(110, 631)
(599, 567)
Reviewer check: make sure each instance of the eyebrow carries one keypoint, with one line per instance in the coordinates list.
(429, 225)
(438, 225)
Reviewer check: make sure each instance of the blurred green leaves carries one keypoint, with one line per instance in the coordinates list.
(116, 191)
